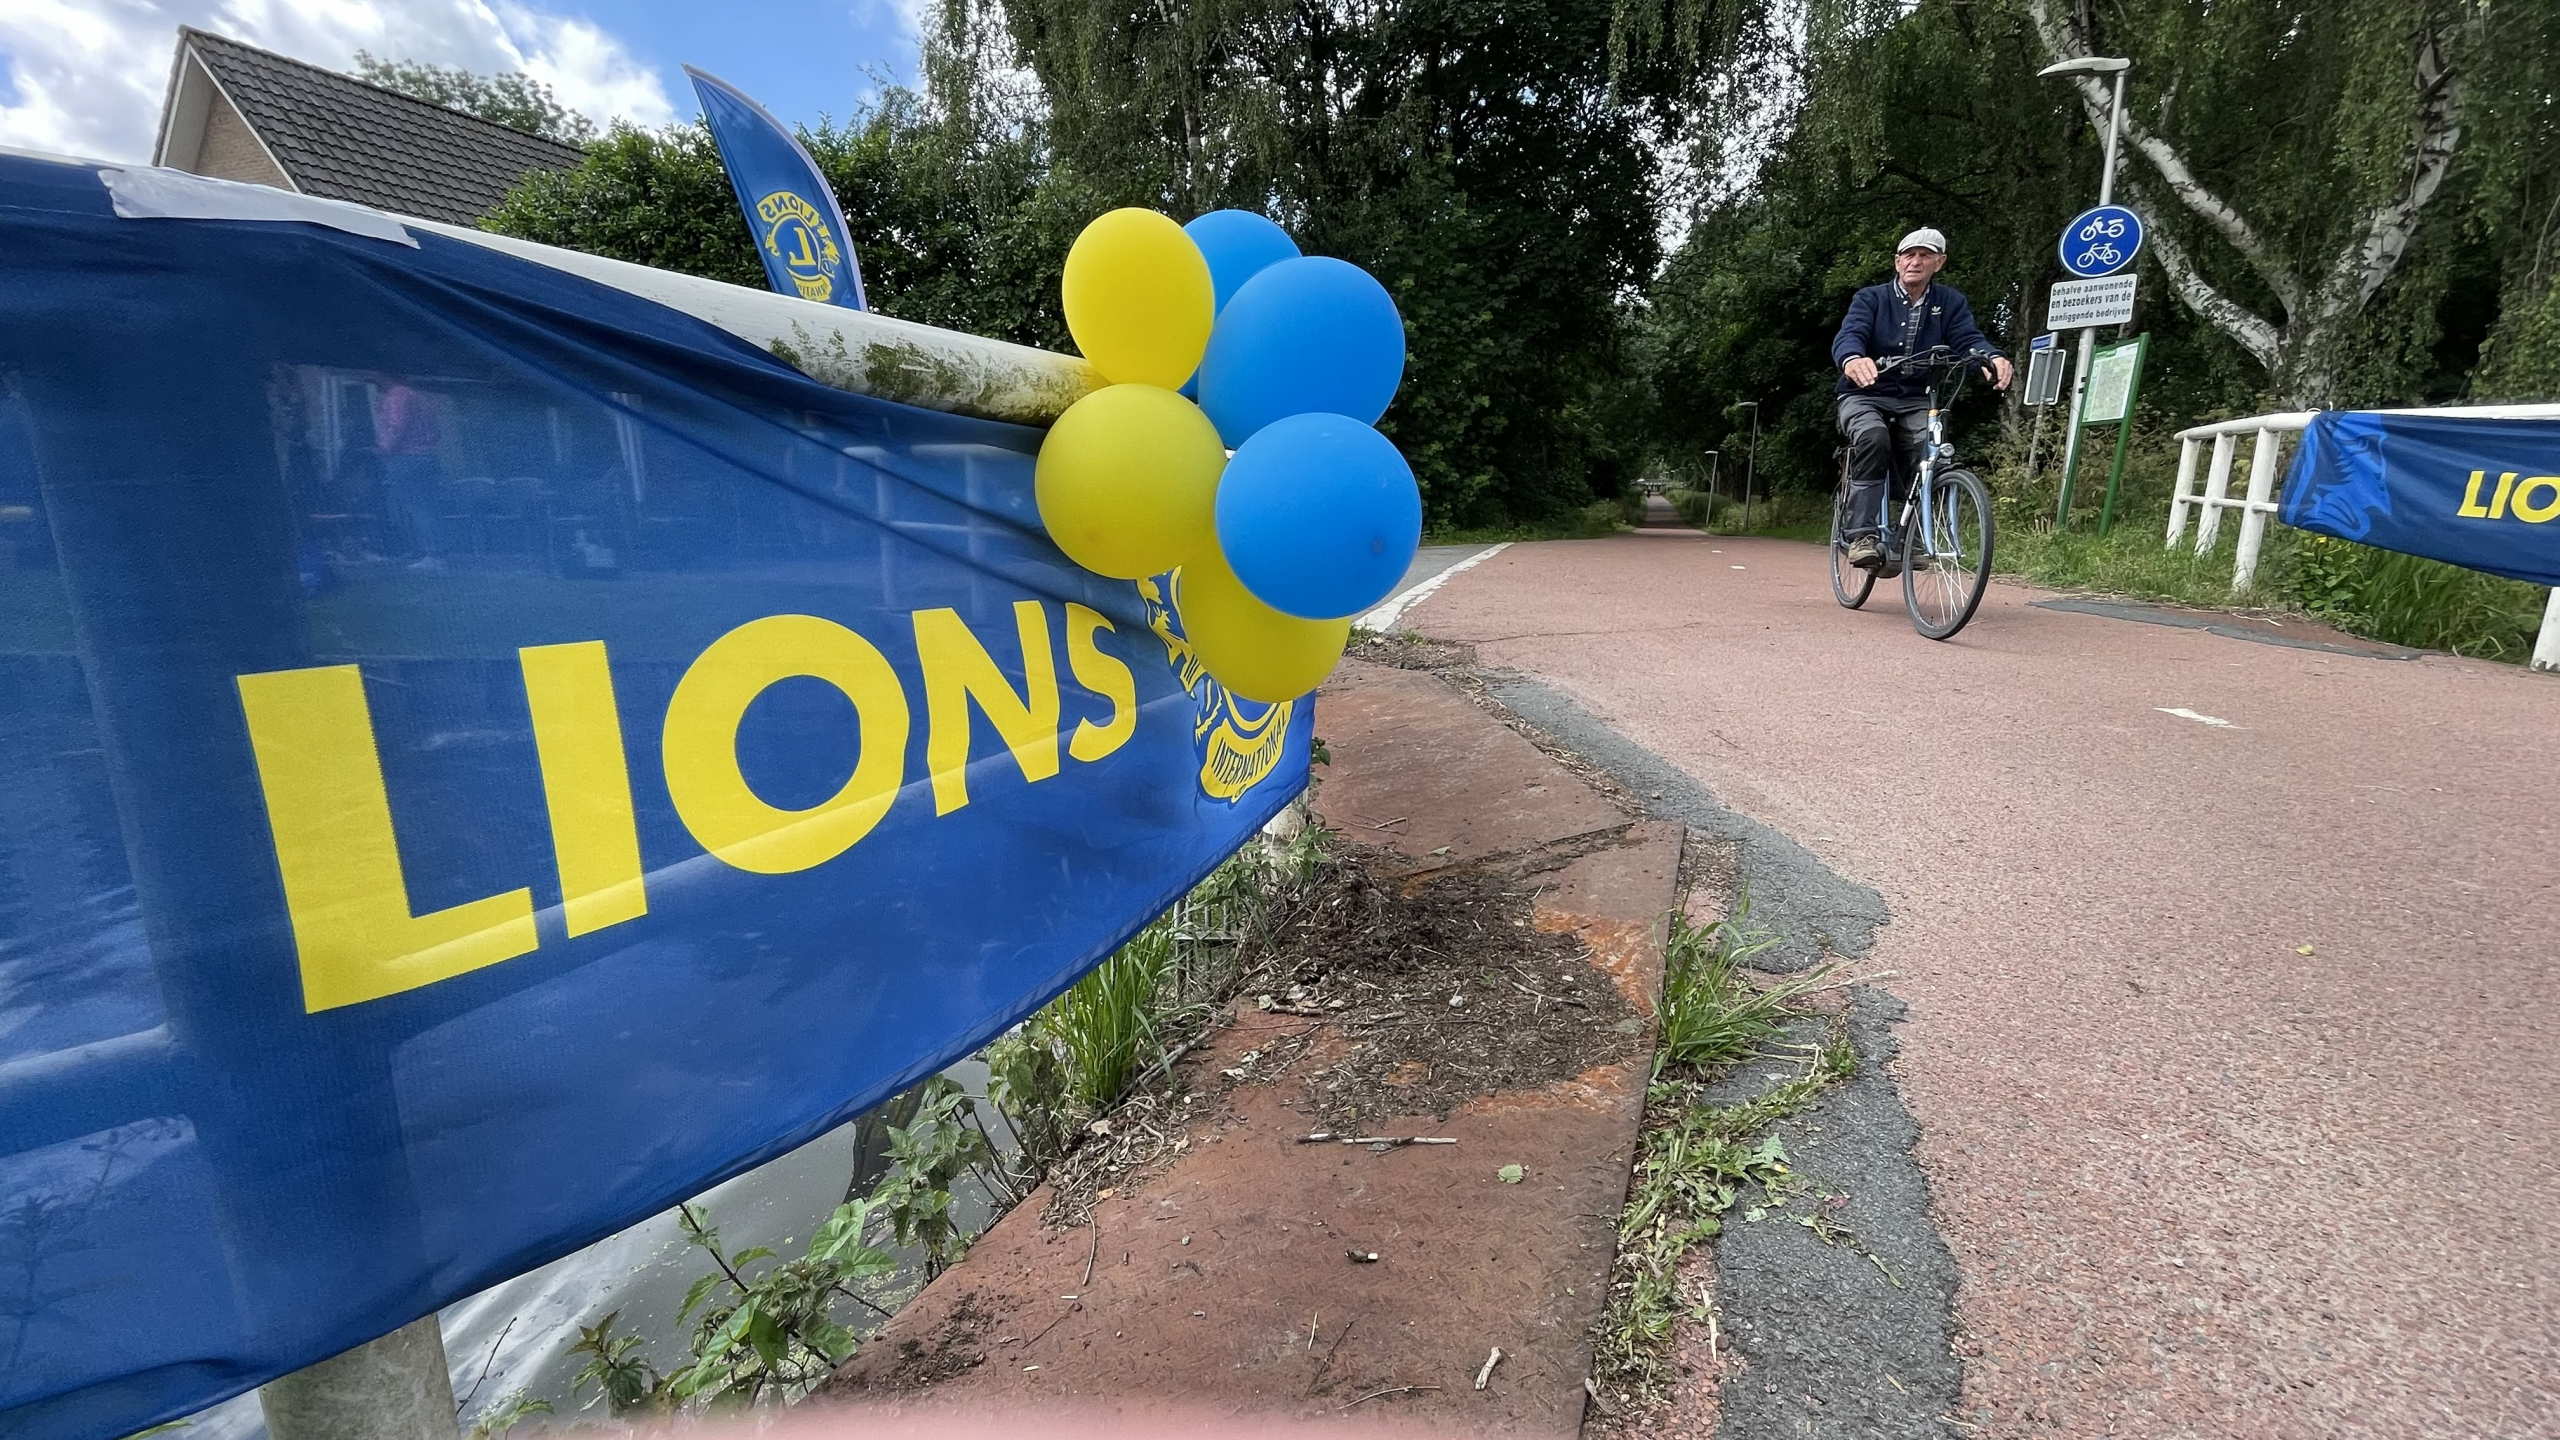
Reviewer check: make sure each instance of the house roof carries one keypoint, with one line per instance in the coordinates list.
(338, 137)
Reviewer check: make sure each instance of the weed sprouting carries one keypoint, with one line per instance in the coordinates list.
(512, 1410)
(1695, 1158)
(945, 1140)
(1711, 1015)
(1105, 1025)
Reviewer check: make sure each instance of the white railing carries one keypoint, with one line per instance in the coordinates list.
(2260, 504)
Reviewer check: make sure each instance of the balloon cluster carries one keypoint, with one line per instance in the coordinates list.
(1314, 517)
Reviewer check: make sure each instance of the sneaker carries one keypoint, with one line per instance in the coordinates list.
(1866, 552)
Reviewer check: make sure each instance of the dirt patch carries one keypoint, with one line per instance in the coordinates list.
(1411, 650)
(1214, 1260)
(951, 1348)
(1350, 991)
(1144, 1133)
(1444, 990)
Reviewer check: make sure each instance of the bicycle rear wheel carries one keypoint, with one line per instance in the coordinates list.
(1945, 571)
(1850, 584)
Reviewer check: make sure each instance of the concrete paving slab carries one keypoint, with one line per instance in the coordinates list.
(1418, 770)
(1226, 1279)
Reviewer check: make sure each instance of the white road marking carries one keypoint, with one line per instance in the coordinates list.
(1384, 618)
(2183, 713)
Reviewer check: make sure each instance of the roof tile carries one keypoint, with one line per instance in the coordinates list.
(344, 139)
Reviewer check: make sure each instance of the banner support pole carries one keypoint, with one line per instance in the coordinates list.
(395, 1388)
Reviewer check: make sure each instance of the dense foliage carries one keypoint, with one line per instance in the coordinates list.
(2358, 202)
(510, 99)
(2411, 146)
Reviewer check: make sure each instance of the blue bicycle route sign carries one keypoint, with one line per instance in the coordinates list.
(2101, 241)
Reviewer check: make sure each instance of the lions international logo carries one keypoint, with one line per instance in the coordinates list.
(1239, 741)
(797, 235)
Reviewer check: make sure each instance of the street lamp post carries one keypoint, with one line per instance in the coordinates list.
(1751, 466)
(2089, 65)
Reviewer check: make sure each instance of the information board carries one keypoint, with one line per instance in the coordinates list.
(2111, 374)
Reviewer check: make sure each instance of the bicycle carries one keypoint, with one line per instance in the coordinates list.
(1945, 557)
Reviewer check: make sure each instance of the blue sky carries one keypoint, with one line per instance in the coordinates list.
(86, 77)
(796, 57)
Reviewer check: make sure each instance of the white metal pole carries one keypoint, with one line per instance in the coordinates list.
(2253, 516)
(2186, 491)
(1751, 468)
(2088, 336)
(2115, 125)
(2217, 489)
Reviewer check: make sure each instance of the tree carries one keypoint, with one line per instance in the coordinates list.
(2310, 141)
(510, 98)
(2312, 121)
(953, 213)
(1473, 155)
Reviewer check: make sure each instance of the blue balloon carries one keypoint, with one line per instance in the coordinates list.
(1318, 515)
(1239, 245)
(1311, 334)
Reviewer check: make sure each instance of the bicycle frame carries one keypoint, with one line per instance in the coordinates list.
(1933, 455)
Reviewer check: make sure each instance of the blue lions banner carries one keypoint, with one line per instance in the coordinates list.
(799, 230)
(2471, 490)
(484, 756)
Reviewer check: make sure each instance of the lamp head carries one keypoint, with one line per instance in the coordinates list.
(2087, 65)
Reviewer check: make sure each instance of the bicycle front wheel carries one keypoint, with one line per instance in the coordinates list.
(1849, 583)
(1947, 563)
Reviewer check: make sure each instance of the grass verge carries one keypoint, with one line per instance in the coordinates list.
(2394, 598)
(1696, 1158)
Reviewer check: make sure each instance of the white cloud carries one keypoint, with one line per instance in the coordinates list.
(88, 82)
(89, 74)
(586, 67)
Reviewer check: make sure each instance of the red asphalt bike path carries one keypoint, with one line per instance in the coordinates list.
(2196, 1181)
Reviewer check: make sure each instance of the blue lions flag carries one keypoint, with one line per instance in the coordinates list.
(2468, 488)
(485, 756)
(799, 231)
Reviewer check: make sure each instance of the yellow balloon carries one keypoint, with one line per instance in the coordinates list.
(1128, 481)
(1138, 299)
(1245, 645)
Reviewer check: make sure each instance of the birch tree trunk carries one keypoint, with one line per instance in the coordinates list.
(2320, 301)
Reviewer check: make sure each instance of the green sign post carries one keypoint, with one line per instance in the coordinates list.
(2114, 383)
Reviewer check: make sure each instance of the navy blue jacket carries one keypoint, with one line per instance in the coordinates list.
(1881, 322)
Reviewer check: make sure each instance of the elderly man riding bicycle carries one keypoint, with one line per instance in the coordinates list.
(1883, 414)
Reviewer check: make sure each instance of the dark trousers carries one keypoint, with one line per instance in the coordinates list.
(1877, 427)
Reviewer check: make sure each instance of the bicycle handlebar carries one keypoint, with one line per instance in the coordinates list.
(1936, 357)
